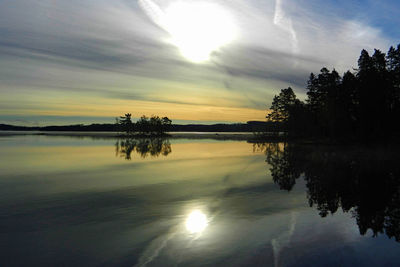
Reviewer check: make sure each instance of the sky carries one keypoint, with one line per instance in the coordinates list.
(66, 62)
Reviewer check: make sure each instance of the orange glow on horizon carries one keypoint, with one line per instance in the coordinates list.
(116, 107)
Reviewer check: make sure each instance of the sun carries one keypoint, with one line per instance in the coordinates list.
(198, 28)
(196, 222)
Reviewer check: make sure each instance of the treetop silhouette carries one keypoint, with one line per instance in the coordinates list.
(153, 126)
(363, 104)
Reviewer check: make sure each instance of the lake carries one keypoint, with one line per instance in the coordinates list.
(70, 201)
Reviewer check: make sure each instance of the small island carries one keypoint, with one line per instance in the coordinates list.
(144, 127)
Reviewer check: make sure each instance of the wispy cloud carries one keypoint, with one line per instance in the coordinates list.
(56, 50)
(281, 19)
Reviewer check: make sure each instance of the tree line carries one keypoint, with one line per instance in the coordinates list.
(363, 103)
(250, 126)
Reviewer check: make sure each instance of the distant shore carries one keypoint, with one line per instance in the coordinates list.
(188, 135)
(239, 136)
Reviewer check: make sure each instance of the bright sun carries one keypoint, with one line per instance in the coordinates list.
(198, 28)
(196, 222)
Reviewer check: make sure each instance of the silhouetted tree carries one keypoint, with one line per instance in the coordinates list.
(393, 65)
(373, 95)
(322, 97)
(282, 106)
(347, 106)
(166, 124)
(125, 123)
(143, 125)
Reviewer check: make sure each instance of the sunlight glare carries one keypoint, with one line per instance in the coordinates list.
(198, 29)
(196, 222)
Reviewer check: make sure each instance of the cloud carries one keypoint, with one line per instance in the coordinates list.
(57, 49)
(284, 22)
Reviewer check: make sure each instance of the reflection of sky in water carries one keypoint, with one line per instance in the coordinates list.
(206, 203)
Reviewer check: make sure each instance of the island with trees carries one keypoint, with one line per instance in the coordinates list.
(144, 127)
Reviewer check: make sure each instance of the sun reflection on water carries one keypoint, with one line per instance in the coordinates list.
(196, 222)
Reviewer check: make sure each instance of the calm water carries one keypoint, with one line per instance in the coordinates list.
(92, 202)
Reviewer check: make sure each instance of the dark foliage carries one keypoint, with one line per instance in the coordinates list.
(144, 126)
(362, 105)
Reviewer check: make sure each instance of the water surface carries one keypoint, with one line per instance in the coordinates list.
(107, 202)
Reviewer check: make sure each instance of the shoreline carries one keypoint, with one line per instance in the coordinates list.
(233, 136)
(173, 135)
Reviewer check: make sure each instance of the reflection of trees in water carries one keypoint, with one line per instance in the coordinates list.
(365, 182)
(153, 147)
(283, 171)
